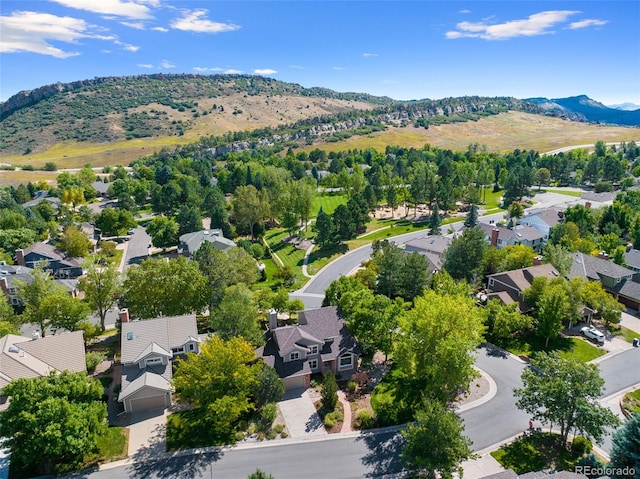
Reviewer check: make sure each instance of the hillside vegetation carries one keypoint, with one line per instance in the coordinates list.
(116, 120)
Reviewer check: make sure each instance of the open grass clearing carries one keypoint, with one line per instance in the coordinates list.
(568, 348)
(112, 446)
(17, 177)
(627, 334)
(328, 203)
(536, 452)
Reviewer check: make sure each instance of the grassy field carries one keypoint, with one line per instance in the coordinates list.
(627, 334)
(575, 348)
(112, 446)
(328, 203)
(499, 133)
(535, 453)
(18, 177)
(288, 253)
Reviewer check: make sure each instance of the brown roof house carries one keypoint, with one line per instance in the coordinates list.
(22, 357)
(320, 342)
(148, 348)
(508, 286)
(500, 236)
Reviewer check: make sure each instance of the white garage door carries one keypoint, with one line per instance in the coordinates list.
(144, 404)
(294, 383)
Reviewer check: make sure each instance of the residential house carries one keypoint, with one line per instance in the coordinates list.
(319, 343)
(10, 273)
(632, 260)
(101, 188)
(191, 242)
(43, 195)
(499, 236)
(614, 278)
(509, 286)
(431, 247)
(544, 220)
(55, 261)
(22, 357)
(148, 348)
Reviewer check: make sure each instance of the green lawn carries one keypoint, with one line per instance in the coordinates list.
(288, 253)
(328, 202)
(319, 258)
(631, 402)
(112, 446)
(535, 453)
(529, 345)
(627, 334)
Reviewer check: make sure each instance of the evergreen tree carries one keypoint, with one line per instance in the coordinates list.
(472, 217)
(329, 392)
(434, 220)
(625, 450)
(325, 230)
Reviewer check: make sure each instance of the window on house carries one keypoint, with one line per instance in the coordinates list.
(294, 355)
(617, 280)
(490, 281)
(346, 362)
(192, 347)
(13, 290)
(313, 364)
(177, 350)
(15, 301)
(154, 361)
(313, 349)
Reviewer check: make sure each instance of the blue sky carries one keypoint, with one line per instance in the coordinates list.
(405, 50)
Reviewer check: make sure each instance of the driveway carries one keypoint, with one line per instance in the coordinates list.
(300, 415)
(147, 433)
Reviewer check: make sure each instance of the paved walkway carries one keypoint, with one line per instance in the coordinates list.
(346, 425)
(631, 322)
(300, 415)
(305, 261)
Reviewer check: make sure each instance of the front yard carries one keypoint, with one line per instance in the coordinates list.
(568, 347)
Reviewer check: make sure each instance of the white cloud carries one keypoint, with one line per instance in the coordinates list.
(264, 71)
(120, 8)
(464, 12)
(131, 48)
(25, 31)
(207, 69)
(338, 68)
(136, 25)
(296, 67)
(233, 71)
(536, 24)
(166, 64)
(368, 55)
(160, 29)
(105, 51)
(592, 22)
(148, 66)
(193, 21)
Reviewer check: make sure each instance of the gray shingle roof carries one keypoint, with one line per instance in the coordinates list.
(628, 288)
(432, 244)
(632, 258)
(134, 379)
(167, 333)
(22, 357)
(592, 267)
(191, 242)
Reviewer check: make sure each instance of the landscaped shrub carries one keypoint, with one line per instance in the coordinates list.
(329, 392)
(581, 445)
(278, 428)
(602, 186)
(283, 434)
(271, 434)
(92, 360)
(329, 420)
(269, 413)
(239, 436)
(364, 420)
(337, 414)
(352, 386)
(261, 436)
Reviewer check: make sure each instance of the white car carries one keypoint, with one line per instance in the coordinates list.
(593, 334)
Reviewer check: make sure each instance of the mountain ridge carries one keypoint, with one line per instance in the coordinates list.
(583, 108)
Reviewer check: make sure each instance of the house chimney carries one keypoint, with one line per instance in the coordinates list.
(537, 261)
(20, 257)
(587, 204)
(494, 237)
(273, 319)
(4, 285)
(603, 255)
(35, 335)
(124, 315)
(629, 247)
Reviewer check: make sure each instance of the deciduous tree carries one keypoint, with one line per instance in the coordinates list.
(74, 242)
(435, 442)
(565, 393)
(237, 315)
(434, 344)
(158, 287)
(52, 422)
(463, 258)
(101, 286)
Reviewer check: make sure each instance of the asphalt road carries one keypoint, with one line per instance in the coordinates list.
(138, 247)
(621, 371)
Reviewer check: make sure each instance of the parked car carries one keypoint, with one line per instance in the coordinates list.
(593, 334)
(131, 231)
